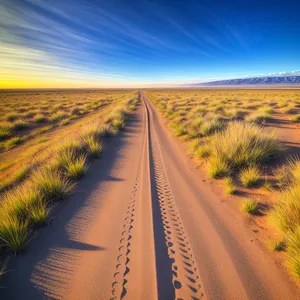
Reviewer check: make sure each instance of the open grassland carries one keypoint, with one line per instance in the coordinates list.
(24, 147)
(249, 139)
(45, 168)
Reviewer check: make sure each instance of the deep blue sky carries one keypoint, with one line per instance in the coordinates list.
(131, 42)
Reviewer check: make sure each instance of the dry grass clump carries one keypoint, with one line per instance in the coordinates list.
(11, 117)
(9, 144)
(178, 128)
(5, 130)
(250, 176)
(94, 146)
(40, 118)
(217, 167)
(14, 233)
(21, 124)
(117, 118)
(289, 173)
(286, 213)
(293, 250)
(244, 144)
(211, 125)
(248, 206)
(59, 116)
(257, 117)
(51, 185)
(230, 186)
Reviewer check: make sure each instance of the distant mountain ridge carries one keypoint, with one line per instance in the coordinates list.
(255, 81)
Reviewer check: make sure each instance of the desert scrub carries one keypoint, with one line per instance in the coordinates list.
(217, 167)
(40, 118)
(178, 128)
(14, 233)
(244, 144)
(257, 117)
(21, 124)
(230, 186)
(203, 150)
(286, 213)
(72, 163)
(51, 185)
(59, 116)
(288, 174)
(5, 130)
(77, 167)
(211, 125)
(11, 117)
(118, 124)
(14, 141)
(94, 146)
(38, 213)
(293, 251)
(74, 146)
(248, 206)
(250, 176)
(194, 146)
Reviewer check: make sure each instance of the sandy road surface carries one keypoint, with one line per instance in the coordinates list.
(141, 225)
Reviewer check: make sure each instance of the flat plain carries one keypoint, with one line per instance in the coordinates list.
(154, 194)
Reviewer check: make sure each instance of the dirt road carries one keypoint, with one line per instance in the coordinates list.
(142, 225)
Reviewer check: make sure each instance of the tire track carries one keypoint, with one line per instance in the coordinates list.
(122, 268)
(185, 276)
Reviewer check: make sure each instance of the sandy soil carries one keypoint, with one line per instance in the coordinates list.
(145, 224)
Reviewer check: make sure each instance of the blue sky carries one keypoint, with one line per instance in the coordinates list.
(144, 42)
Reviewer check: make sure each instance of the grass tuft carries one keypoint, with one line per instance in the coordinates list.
(38, 213)
(248, 206)
(51, 185)
(293, 251)
(217, 167)
(76, 168)
(250, 176)
(230, 186)
(95, 147)
(244, 144)
(5, 130)
(14, 233)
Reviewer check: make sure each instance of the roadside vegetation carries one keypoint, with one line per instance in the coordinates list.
(235, 136)
(26, 204)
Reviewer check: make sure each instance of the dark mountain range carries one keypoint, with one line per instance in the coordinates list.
(255, 81)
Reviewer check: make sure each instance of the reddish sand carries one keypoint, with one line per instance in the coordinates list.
(144, 224)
